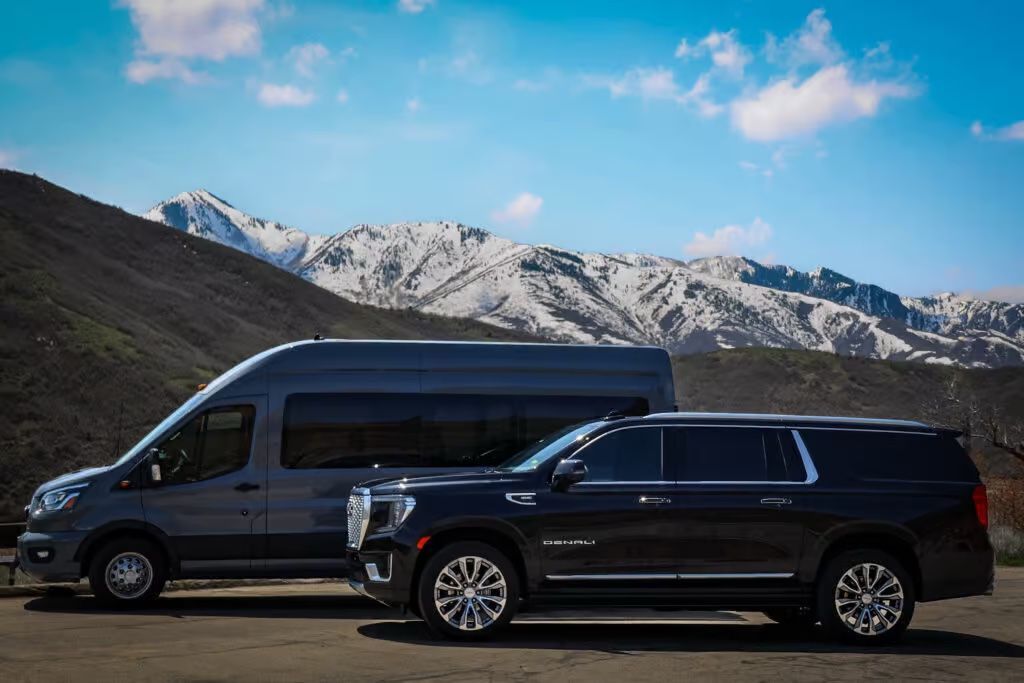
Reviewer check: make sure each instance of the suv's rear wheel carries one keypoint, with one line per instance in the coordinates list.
(865, 596)
(127, 571)
(468, 591)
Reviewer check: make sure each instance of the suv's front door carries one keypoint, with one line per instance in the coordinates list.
(736, 509)
(612, 529)
(211, 501)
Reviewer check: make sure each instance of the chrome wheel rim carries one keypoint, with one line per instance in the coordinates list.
(129, 575)
(470, 593)
(869, 599)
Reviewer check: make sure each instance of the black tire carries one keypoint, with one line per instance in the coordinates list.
(478, 627)
(793, 618)
(140, 553)
(885, 606)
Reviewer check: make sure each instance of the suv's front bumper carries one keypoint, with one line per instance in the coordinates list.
(374, 575)
(50, 556)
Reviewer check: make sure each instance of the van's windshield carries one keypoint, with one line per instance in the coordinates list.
(191, 403)
(532, 457)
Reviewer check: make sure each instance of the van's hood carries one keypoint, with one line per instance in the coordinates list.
(79, 477)
(447, 481)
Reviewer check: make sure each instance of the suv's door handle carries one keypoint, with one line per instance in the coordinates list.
(246, 486)
(654, 500)
(775, 501)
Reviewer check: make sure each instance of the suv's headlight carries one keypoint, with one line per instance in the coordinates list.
(63, 499)
(388, 512)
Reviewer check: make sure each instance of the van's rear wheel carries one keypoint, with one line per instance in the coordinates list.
(127, 571)
(866, 597)
(468, 591)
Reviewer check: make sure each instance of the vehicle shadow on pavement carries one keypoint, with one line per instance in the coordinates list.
(260, 607)
(696, 638)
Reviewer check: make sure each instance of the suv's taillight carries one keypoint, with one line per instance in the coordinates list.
(980, 498)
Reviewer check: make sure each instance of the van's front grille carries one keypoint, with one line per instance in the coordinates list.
(358, 516)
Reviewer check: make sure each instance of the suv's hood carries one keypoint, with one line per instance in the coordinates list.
(78, 477)
(446, 481)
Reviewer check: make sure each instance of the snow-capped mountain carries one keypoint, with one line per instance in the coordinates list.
(723, 302)
(205, 214)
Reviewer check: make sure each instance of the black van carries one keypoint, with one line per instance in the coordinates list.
(251, 475)
(846, 522)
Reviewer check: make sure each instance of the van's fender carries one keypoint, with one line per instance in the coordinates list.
(133, 527)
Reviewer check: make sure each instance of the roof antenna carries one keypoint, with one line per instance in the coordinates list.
(318, 337)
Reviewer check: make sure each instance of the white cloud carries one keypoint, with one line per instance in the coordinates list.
(787, 109)
(1012, 132)
(210, 29)
(1011, 294)
(348, 53)
(729, 240)
(273, 95)
(414, 6)
(342, 96)
(7, 159)
(751, 167)
(727, 53)
(812, 43)
(143, 71)
(520, 211)
(413, 105)
(304, 58)
(657, 83)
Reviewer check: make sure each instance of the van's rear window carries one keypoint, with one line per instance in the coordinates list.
(429, 430)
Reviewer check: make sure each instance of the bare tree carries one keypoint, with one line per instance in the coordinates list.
(956, 407)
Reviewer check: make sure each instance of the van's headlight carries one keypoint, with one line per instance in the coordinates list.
(64, 499)
(388, 512)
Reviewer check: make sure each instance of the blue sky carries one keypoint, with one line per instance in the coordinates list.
(875, 138)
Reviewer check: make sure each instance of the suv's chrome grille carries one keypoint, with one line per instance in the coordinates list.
(358, 516)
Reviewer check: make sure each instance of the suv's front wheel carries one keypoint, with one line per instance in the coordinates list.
(127, 572)
(865, 596)
(468, 591)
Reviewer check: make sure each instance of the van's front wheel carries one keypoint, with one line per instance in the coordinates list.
(126, 572)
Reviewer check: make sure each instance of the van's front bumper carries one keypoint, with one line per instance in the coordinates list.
(50, 556)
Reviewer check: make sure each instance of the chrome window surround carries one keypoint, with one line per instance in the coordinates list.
(805, 456)
(666, 577)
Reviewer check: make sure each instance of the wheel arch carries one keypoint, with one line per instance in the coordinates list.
(125, 529)
(892, 539)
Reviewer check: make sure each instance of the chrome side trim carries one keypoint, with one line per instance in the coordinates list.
(666, 577)
(524, 498)
(809, 468)
(611, 577)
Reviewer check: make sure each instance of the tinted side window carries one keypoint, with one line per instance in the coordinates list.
(468, 430)
(853, 454)
(721, 453)
(632, 454)
(351, 430)
(213, 443)
(542, 415)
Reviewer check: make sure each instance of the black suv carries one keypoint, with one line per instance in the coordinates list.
(846, 522)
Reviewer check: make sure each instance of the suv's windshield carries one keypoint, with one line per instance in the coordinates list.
(532, 457)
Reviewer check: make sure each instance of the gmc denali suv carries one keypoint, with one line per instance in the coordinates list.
(846, 522)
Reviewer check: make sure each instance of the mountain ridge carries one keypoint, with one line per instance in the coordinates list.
(449, 268)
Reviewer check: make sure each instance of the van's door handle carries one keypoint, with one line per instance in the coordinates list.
(775, 501)
(654, 500)
(246, 486)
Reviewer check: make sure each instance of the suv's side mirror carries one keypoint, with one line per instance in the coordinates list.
(153, 474)
(567, 473)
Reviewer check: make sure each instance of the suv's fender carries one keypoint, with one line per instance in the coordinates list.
(861, 533)
(477, 527)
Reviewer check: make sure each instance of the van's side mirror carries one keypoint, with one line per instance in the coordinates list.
(153, 474)
(567, 473)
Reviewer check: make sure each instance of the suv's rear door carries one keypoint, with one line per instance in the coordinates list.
(735, 508)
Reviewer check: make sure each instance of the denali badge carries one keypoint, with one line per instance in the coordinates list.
(570, 541)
